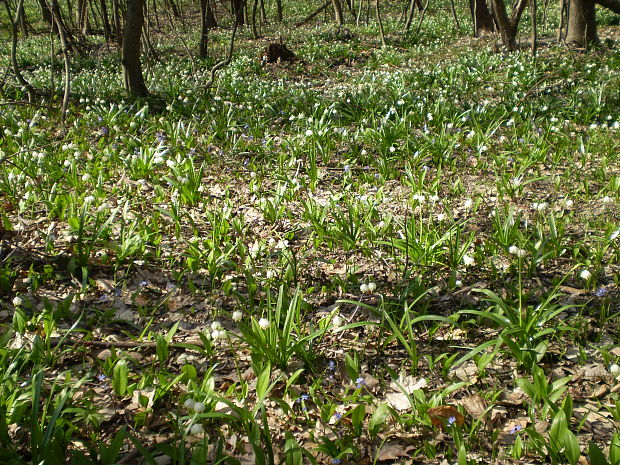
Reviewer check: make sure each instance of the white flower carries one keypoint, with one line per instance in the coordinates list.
(309, 132)
(337, 321)
(614, 369)
(237, 315)
(85, 177)
(264, 323)
(217, 334)
(381, 225)
(614, 234)
(196, 428)
(468, 203)
(17, 301)
(189, 403)
(542, 206)
(216, 325)
(364, 288)
(199, 407)
(392, 149)
(372, 287)
(171, 163)
(585, 275)
(441, 217)
(458, 283)
(513, 249)
(89, 199)
(606, 199)
(468, 260)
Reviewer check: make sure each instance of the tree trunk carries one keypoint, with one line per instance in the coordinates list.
(581, 22)
(237, 8)
(338, 12)
(46, 14)
(134, 20)
(482, 17)
(82, 16)
(105, 20)
(279, 11)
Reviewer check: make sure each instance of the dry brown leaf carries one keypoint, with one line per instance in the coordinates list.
(441, 415)
(394, 450)
(475, 405)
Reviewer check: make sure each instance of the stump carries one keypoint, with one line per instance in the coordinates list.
(277, 52)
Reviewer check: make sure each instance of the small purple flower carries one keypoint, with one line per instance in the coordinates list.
(451, 420)
(101, 377)
(600, 292)
(515, 429)
(143, 283)
(336, 461)
(359, 382)
(331, 366)
(337, 416)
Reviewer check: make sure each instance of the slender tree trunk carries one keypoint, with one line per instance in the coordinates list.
(82, 16)
(46, 14)
(581, 23)
(254, 28)
(105, 19)
(279, 11)
(134, 21)
(16, 69)
(207, 21)
(118, 29)
(381, 31)
(482, 17)
(338, 12)
(237, 8)
(533, 11)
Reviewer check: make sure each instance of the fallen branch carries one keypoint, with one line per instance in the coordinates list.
(311, 16)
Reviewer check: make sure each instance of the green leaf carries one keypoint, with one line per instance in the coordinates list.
(596, 455)
(120, 375)
(378, 419)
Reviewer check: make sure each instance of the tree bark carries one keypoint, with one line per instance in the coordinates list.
(46, 14)
(508, 26)
(238, 12)
(132, 67)
(581, 23)
(338, 12)
(482, 17)
(279, 11)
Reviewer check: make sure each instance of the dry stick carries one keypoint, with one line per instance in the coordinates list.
(228, 59)
(311, 16)
(381, 31)
(534, 26)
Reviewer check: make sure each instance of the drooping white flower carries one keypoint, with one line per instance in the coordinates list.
(17, 301)
(364, 288)
(237, 315)
(264, 323)
(337, 321)
(372, 287)
(189, 403)
(585, 274)
(199, 407)
(196, 428)
(468, 260)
